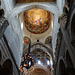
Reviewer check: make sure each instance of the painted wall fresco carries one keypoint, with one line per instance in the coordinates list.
(37, 20)
(48, 41)
(26, 40)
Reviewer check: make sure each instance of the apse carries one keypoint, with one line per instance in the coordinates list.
(37, 21)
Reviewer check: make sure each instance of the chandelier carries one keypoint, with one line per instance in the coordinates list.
(27, 60)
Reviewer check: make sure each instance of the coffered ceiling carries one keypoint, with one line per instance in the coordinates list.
(41, 55)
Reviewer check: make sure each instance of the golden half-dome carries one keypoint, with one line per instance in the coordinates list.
(37, 20)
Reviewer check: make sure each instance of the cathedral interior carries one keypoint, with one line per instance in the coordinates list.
(37, 37)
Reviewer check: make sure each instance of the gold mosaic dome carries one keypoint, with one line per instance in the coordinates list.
(37, 20)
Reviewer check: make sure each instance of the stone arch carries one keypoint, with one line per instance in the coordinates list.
(49, 7)
(25, 7)
(43, 47)
(70, 68)
(7, 68)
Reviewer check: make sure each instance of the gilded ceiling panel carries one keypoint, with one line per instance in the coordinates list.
(39, 54)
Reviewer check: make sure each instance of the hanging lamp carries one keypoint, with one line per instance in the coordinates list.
(27, 60)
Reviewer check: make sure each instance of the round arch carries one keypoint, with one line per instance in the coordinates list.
(42, 47)
(46, 6)
(23, 7)
(7, 68)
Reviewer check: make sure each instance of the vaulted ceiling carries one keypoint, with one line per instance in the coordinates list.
(38, 21)
(36, 24)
